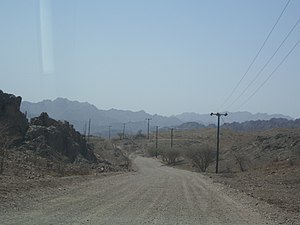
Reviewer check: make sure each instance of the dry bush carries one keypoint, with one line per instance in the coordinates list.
(120, 136)
(241, 161)
(60, 169)
(201, 157)
(170, 155)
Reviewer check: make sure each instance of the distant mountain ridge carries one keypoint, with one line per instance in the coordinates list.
(79, 113)
(257, 125)
(260, 125)
(239, 117)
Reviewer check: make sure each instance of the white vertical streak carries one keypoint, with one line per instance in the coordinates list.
(46, 37)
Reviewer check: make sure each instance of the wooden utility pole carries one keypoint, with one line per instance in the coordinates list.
(109, 132)
(124, 124)
(172, 135)
(89, 130)
(218, 137)
(84, 131)
(156, 141)
(148, 127)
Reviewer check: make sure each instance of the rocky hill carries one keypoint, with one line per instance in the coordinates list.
(239, 117)
(261, 125)
(258, 125)
(190, 125)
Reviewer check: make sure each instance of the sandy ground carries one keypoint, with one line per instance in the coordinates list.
(155, 194)
(274, 189)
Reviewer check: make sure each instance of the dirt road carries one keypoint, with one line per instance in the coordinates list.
(155, 194)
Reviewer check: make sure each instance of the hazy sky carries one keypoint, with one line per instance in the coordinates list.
(162, 56)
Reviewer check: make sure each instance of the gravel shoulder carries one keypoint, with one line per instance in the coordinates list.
(273, 190)
(155, 194)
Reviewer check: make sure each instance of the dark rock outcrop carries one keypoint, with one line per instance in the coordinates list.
(51, 138)
(13, 122)
(43, 135)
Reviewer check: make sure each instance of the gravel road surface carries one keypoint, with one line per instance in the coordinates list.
(155, 194)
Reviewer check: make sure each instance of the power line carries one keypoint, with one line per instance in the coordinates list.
(255, 57)
(266, 64)
(271, 74)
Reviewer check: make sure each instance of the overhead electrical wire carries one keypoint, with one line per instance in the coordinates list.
(255, 57)
(271, 74)
(266, 64)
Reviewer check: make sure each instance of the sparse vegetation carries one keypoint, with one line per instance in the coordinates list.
(140, 135)
(201, 157)
(241, 162)
(170, 155)
(120, 135)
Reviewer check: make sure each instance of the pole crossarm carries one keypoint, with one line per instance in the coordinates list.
(219, 114)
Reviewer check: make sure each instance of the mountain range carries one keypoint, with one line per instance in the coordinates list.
(79, 113)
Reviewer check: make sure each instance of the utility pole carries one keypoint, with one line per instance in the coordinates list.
(148, 127)
(218, 136)
(89, 130)
(84, 130)
(156, 140)
(172, 135)
(109, 132)
(124, 124)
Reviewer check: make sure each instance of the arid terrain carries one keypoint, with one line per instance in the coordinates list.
(273, 189)
(155, 194)
(52, 174)
(261, 165)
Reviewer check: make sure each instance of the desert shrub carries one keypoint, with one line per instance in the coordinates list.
(120, 135)
(201, 157)
(170, 155)
(139, 135)
(241, 161)
(60, 169)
